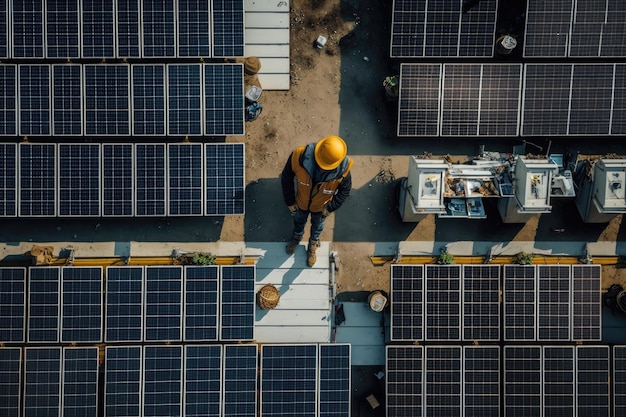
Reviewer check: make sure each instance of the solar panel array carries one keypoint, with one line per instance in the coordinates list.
(93, 180)
(94, 29)
(442, 28)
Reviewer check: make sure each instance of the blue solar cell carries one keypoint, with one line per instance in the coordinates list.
(8, 100)
(122, 381)
(237, 302)
(224, 99)
(443, 386)
(443, 302)
(128, 28)
(288, 380)
(334, 389)
(148, 99)
(240, 380)
(481, 302)
(37, 167)
(28, 29)
(224, 179)
(162, 382)
(117, 179)
(558, 381)
(194, 34)
(62, 29)
(150, 180)
(228, 28)
(81, 310)
(67, 109)
(522, 381)
(11, 371)
(43, 304)
(405, 380)
(163, 305)
(34, 101)
(8, 180)
(185, 179)
(107, 100)
(407, 302)
(79, 180)
(184, 99)
(481, 381)
(4, 29)
(203, 382)
(201, 303)
(12, 304)
(124, 304)
(42, 382)
(520, 298)
(553, 296)
(80, 382)
(98, 23)
(592, 381)
(158, 28)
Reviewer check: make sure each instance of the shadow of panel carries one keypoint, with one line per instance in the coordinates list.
(564, 224)
(267, 218)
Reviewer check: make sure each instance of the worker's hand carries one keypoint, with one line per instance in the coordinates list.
(325, 212)
(293, 208)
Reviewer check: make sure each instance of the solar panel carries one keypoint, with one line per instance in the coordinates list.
(124, 304)
(442, 379)
(163, 303)
(194, 33)
(519, 302)
(586, 302)
(148, 99)
(404, 381)
(80, 382)
(442, 28)
(122, 381)
(62, 29)
(481, 302)
(224, 99)
(481, 381)
(591, 100)
(418, 108)
(522, 381)
(240, 380)
(11, 369)
(237, 302)
(8, 179)
(118, 179)
(184, 179)
(288, 380)
(558, 381)
(184, 99)
(107, 99)
(407, 302)
(553, 308)
(8, 100)
(162, 381)
(443, 302)
(44, 309)
(460, 100)
(334, 380)
(81, 309)
(79, 180)
(618, 122)
(150, 180)
(27, 29)
(592, 381)
(477, 31)
(12, 304)
(128, 28)
(500, 93)
(158, 28)
(613, 32)
(98, 23)
(547, 28)
(228, 28)
(619, 380)
(34, 88)
(67, 100)
(203, 372)
(407, 28)
(4, 29)
(225, 178)
(42, 381)
(587, 24)
(37, 176)
(201, 303)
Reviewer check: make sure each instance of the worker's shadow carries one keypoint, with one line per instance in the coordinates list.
(267, 219)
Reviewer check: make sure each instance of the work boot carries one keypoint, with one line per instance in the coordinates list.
(292, 245)
(312, 257)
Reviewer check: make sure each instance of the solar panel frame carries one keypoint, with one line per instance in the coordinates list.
(407, 302)
(618, 121)
(163, 373)
(118, 180)
(522, 381)
(107, 99)
(520, 303)
(184, 99)
(10, 392)
(80, 382)
(223, 99)
(8, 99)
(553, 302)
(334, 380)
(79, 180)
(419, 109)
(27, 29)
(128, 22)
(586, 303)
(98, 21)
(592, 381)
(123, 381)
(44, 304)
(558, 389)
(67, 100)
(37, 172)
(228, 28)
(481, 302)
(481, 381)
(185, 180)
(443, 381)
(12, 305)
(8, 179)
(163, 304)
(34, 92)
(63, 33)
(201, 303)
(240, 375)
(148, 102)
(545, 23)
(404, 382)
(158, 27)
(42, 381)
(442, 288)
(591, 101)
(237, 302)
(81, 304)
(124, 304)
(619, 380)
(194, 29)
(224, 179)
(150, 180)
(203, 381)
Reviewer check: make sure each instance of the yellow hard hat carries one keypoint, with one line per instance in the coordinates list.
(329, 152)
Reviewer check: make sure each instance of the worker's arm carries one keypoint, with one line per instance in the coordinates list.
(343, 192)
(286, 181)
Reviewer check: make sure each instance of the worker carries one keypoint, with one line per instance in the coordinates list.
(323, 183)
